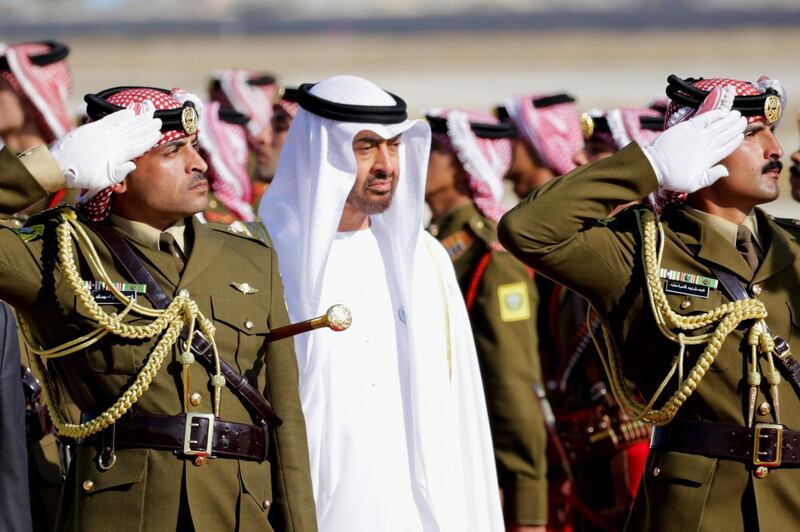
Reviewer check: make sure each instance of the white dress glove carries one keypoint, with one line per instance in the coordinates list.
(686, 157)
(100, 154)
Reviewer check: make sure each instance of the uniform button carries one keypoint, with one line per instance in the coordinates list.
(764, 409)
(195, 399)
(761, 472)
(199, 460)
(756, 290)
(265, 504)
(656, 471)
(249, 325)
(88, 485)
(480, 224)
(183, 292)
(213, 204)
(686, 304)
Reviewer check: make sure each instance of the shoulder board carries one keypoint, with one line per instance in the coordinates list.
(248, 230)
(458, 243)
(633, 210)
(36, 225)
(48, 215)
(788, 223)
(486, 230)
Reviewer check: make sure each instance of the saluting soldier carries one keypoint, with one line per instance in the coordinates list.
(470, 154)
(155, 326)
(697, 305)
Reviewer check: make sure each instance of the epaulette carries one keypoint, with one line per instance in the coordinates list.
(49, 215)
(458, 243)
(486, 230)
(249, 230)
(790, 225)
(35, 226)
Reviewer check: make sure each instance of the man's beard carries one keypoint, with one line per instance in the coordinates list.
(370, 205)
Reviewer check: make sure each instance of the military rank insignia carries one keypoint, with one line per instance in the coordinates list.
(103, 296)
(458, 243)
(29, 233)
(514, 301)
(687, 284)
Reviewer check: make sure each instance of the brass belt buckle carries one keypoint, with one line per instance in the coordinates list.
(767, 431)
(190, 446)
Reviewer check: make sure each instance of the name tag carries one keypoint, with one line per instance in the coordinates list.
(106, 297)
(687, 289)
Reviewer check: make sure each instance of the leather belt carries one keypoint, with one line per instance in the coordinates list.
(192, 434)
(766, 444)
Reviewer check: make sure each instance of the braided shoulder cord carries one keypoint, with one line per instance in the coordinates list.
(727, 318)
(168, 323)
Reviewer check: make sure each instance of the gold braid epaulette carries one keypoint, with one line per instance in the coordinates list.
(727, 318)
(167, 322)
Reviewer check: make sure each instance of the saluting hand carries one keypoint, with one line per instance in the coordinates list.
(100, 154)
(686, 156)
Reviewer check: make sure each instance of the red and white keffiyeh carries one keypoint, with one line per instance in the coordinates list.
(225, 147)
(486, 161)
(625, 126)
(254, 101)
(554, 131)
(98, 206)
(47, 87)
(290, 107)
(678, 113)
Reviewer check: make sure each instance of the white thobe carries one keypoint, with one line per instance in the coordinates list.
(361, 474)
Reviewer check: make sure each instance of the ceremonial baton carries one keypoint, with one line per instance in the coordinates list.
(337, 318)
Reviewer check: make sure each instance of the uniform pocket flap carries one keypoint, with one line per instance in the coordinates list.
(248, 318)
(129, 468)
(689, 468)
(257, 482)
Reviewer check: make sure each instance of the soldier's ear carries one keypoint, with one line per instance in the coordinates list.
(121, 187)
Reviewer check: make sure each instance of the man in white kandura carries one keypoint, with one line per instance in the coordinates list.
(397, 425)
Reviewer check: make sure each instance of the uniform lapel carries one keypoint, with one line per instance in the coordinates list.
(780, 252)
(207, 245)
(713, 247)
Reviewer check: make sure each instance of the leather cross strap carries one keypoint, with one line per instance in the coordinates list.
(736, 291)
(138, 273)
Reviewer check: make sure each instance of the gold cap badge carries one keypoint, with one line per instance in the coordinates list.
(587, 125)
(189, 120)
(278, 96)
(772, 108)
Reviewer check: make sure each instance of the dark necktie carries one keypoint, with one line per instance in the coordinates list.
(167, 243)
(746, 245)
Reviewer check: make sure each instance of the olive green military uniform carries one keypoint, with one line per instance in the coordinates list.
(561, 230)
(502, 301)
(157, 490)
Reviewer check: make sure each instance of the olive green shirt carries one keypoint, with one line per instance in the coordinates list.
(502, 302)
